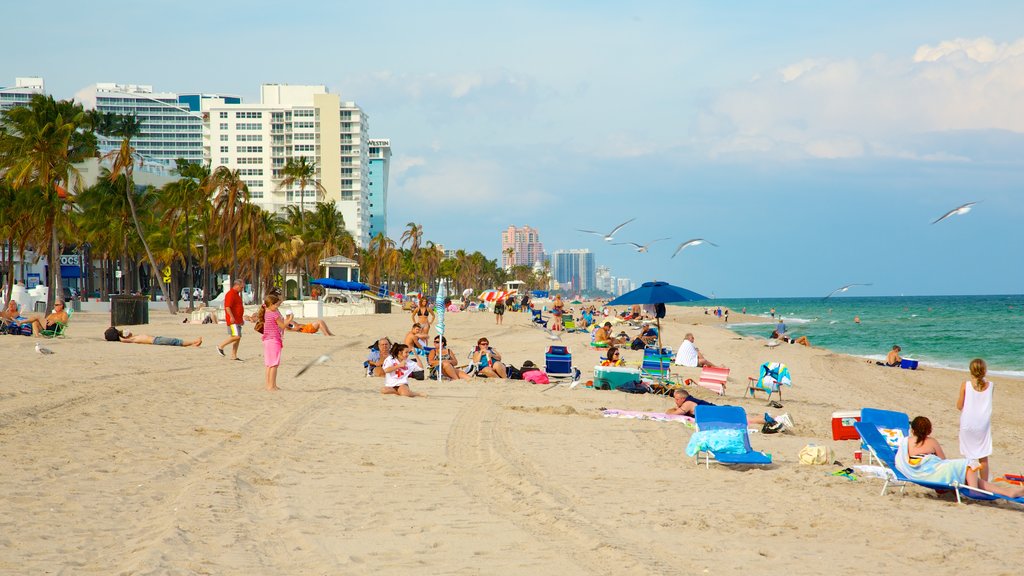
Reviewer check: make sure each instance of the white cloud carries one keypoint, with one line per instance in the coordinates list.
(851, 108)
(401, 164)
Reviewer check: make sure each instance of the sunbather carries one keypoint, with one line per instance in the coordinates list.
(397, 369)
(48, 322)
(686, 404)
(416, 341)
(10, 312)
(892, 359)
(375, 362)
(920, 457)
(690, 355)
(799, 340)
(114, 335)
(448, 367)
(488, 361)
(603, 336)
(613, 358)
(309, 328)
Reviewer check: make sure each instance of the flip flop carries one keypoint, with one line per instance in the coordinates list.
(220, 351)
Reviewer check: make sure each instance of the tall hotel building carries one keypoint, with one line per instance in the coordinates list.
(22, 91)
(292, 122)
(377, 185)
(526, 247)
(172, 124)
(574, 268)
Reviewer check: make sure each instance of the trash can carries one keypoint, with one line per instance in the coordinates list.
(76, 304)
(129, 310)
(382, 307)
(40, 307)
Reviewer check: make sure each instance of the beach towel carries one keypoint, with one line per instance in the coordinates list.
(536, 377)
(772, 374)
(717, 441)
(656, 416)
(930, 468)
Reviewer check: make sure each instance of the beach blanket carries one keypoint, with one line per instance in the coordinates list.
(717, 441)
(656, 416)
(930, 468)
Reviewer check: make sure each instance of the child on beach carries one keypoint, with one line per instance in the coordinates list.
(975, 406)
(397, 368)
(274, 327)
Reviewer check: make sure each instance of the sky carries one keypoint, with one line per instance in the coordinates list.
(813, 142)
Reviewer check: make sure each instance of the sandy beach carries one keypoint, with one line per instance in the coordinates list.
(133, 459)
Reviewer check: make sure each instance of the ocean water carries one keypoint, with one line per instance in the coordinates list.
(942, 331)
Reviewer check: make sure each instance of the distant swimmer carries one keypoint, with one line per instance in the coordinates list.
(856, 319)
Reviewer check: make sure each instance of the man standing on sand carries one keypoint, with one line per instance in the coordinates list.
(233, 312)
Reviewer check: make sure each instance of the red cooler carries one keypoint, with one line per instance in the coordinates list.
(842, 425)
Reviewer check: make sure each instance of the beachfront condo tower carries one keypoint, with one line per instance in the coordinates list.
(22, 91)
(521, 247)
(291, 122)
(172, 124)
(574, 270)
(377, 185)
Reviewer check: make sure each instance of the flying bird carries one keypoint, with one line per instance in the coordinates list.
(323, 358)
(956, 211)
(640, 249)
(609, 236)
(844, 289)
(692, 242)
(552, 335)
(43, 351)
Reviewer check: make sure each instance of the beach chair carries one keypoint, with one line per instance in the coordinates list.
(714, 379)
(558, 364)
(770, 379)
(538, 318)
(724, 437)
(886, 455)
(59, 330)
(889, 423)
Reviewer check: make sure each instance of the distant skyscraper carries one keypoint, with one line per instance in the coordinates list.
(603, 279)
(526, 246)
(623, 285)
(21, 92)
(292, 122)
(377, 185)
(574, 268)
(172, 124)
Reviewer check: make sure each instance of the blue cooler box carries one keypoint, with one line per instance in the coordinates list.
(614, 377)
(908, 364)
(558, 360)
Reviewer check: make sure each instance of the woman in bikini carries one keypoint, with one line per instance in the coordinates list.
(557, 309)
(488, 360)
(424, 315)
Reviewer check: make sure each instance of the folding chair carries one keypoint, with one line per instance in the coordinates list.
(770, 380)
(714, 379)
(722, 435)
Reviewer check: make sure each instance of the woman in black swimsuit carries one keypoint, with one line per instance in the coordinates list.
(424, 315)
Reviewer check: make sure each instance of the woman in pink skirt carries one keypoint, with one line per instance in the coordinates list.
(273, 328)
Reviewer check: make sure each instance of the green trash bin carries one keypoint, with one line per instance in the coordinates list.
(382, 307)
(128, 310)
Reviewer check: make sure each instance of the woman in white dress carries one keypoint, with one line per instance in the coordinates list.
(975, 406)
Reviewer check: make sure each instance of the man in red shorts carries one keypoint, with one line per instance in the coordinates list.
(233, 312)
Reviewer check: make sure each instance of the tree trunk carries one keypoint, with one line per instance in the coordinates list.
(53, 259)
(171, 306)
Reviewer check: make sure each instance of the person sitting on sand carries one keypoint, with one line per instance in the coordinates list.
(603, 336)
(416, 341)
(690, 355)
(114, 335)
(375, 362)
(310, 328)
(448, 367)
(613, 358)
(799, 340)
(50, 321)
(488, 361)
(892, 359)
(920, 457)
(685, 405)
(10, 313)
(397, 369)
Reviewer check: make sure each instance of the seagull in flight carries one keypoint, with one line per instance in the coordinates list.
(956, 211)
(321, 359)
(844, 289)
(692, 242)
(43, 351)
(638, 247)
(552, 335)
(609, 236)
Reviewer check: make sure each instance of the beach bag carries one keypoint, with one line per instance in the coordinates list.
(26, 330)
(513, 373)
(813, 455)
(536, 377)
(259, 326)
(635, 387)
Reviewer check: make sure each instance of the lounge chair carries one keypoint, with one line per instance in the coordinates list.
(714, 379)
(888, 423)
(712, 422)
(538, 318)
(59, 330)
(770, 379)
(885, 454)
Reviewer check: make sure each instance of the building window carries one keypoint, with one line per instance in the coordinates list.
(224, 161)
(224, 149)
(223, 114)
(223, 137)
(223, 125)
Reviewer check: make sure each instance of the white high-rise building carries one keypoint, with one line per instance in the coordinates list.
(22, 91)
(172, 124)
(292, 122)
(604, 280)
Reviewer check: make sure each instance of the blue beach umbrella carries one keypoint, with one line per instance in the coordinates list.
(657, 293)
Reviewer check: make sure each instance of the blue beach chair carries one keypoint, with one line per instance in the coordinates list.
(537, 318)
(885, 454)
(886, 421)
(725, 437)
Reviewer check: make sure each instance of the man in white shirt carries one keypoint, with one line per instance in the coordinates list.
(690, 355)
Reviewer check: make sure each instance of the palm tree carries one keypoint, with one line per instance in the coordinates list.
(185, 200)
(123, 162)
(302, 172)
(39, 144)
(230, 193)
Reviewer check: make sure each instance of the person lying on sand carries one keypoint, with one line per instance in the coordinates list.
(114, 335)
(310, 328)
(800, 340)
